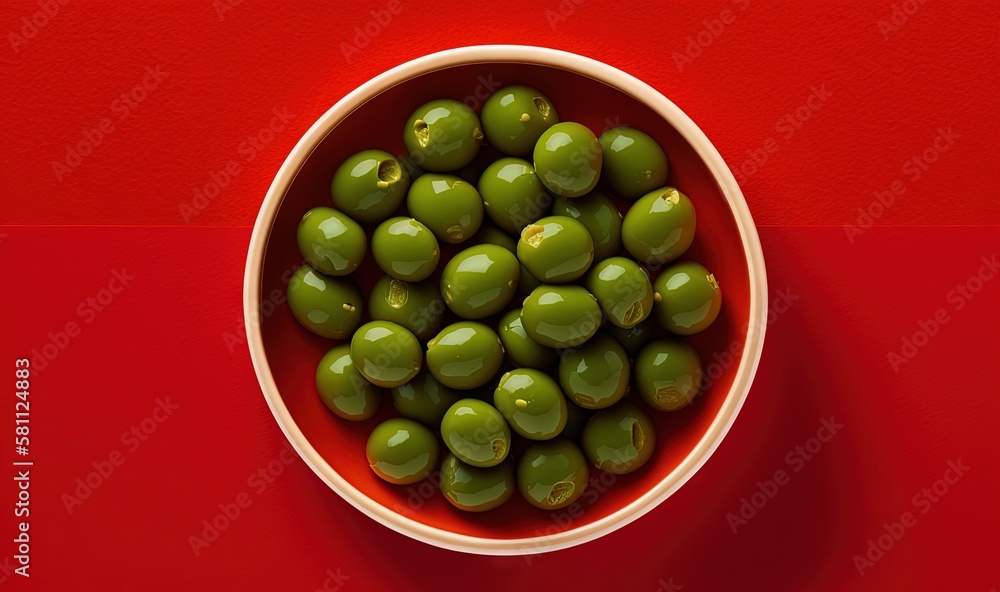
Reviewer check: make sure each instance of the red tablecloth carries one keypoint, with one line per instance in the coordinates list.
(865, 457)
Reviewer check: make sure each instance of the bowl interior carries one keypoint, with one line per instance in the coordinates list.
(293, 353)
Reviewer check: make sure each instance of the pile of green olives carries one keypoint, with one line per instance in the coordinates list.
(525, 330)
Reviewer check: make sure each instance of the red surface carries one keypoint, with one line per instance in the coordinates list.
(293, 353)
(174, 330)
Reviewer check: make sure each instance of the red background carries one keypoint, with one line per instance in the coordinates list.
(173, 330)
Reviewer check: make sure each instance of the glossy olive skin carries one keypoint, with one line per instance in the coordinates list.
(688, 298)
(514, 117)
(442, 135)
(634, 338)
(385, 353)
(634, 164)
(476, 489)
(556, 249)
(600, 216)
(424, 399)
(329, 307)
(532, 403)
(415, 305)
(369, 186)
(659, 227)
(521, 349)
(446, 204)
(490, 234)
(401, 451)
(512, 194)
(405, 249)
(667, 374)
(552, 474)
(619, 439)
(595, 375)
(560, 316)
(567, 159)
(331, 242)
(464, 355)
(476, 433)
(623, 290)
(480, 281)
(342, 388)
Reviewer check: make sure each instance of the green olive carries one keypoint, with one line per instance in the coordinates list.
(369, 186)
(532, 403)
(329, 307)
(476, 433)
(556, 249)
(342, 388)
(331, 242)
(668, 374)
(596, 375)
(385, 353)
(515, 116)
(623, 290)
(560, 316)
(476, 489)
(688, 298)
(512, 194)
(567, 159)
(402, 451)
(659, 227)
(601, 217)
(634, 164)
(634, 338)
(464, 355)
(619, 439)
(424, 399)
(443, 135)
(480, 281)
(552, 474)
(446, 204)
(416, 306)
(405, 249)
(521, 349)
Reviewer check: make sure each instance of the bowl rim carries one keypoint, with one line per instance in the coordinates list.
(600, 72)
